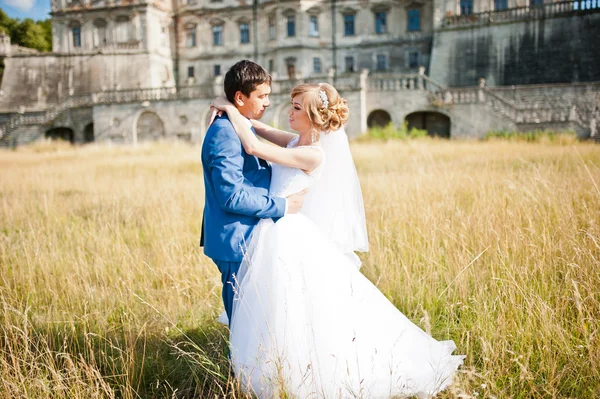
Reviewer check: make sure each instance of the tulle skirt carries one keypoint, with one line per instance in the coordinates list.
(307, 324)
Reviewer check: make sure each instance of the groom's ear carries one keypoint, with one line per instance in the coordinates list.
(238, 99)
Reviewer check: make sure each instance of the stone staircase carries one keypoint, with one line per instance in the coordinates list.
(10, 126)
(526, 109)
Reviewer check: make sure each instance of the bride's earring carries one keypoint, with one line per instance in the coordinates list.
(313, 137)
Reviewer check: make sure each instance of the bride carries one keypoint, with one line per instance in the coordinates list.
(305, 322)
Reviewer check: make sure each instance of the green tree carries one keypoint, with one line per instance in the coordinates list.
(47, 27)
(32, 35)
(7, 23)
(27, 33)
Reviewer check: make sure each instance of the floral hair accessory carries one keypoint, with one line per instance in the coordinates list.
(323, 98)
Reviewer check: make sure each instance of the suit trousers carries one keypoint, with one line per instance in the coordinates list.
(229, 272)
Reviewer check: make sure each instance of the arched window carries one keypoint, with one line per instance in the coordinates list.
(272, 27)
(466, 7)
(290, 62)
(217, 30)
(244, 31)
(349, 15)
(290, 16)
(122, 32)
(414, 19)
(190, 35)
(100, 33)
(75, 27)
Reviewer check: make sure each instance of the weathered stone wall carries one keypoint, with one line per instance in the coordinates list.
(39, 82)
(76, 119)
(552, 50)
(396, 43)
(467, 121)
(183, 119)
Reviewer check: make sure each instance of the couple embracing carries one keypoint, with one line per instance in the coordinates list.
(282, 222)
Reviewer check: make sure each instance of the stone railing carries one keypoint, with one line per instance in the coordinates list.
(581, 111)
(396, 82)
(522, 13)
(545, 95)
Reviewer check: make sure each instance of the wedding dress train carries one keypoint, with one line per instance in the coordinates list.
(307, 324)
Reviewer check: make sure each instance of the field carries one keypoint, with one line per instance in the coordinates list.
(105, 293)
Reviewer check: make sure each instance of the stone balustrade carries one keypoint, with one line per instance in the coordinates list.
(527, 104)
(396, 83)
(522, 13)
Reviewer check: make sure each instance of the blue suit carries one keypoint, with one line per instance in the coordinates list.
(236, 198)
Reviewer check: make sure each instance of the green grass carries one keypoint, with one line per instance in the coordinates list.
(105, 293)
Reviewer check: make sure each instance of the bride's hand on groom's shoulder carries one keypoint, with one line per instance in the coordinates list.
(221, 103)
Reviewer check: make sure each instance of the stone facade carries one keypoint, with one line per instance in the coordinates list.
(295, 39)
(135, 70)
(98, 45)
(553, 43)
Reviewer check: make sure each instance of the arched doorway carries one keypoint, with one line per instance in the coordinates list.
(379, 118)
(88, 133)
(436, 124)
(149, 127)
(60, 133)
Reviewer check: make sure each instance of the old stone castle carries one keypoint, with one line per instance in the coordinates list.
(136, 70)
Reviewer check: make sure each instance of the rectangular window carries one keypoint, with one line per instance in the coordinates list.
(190, 72)
(500, 5)
(217, 35)
(76, 36)
(244, 33)
(381, 22)
(217, 70)
(291, 26)
(413, 59)
(466, 7)
(414, 20)
(537, 2)
(349, 25)
(313, 26)
(381, 62)
(272, 30)
(349, 63)
(271, 66)
(316, 65)
(191, 38)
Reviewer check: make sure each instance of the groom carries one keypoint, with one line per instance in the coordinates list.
(236, 183)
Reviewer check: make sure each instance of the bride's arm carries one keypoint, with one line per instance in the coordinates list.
(275, 136)
(304, 158)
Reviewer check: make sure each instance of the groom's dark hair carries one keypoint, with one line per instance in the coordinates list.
(244, 76)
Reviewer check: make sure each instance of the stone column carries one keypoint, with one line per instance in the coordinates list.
(331, 76)
(363, 99)
(218, 86)
(5, 46)
(480, 93)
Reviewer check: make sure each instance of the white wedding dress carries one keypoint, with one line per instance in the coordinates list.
(307, 324)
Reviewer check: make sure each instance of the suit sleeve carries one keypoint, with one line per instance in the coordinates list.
(226, 163)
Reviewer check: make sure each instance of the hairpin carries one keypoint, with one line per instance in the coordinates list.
(323, 98)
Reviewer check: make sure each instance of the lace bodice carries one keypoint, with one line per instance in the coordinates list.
(286, 180)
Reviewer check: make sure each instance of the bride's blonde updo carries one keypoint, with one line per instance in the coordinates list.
(326, 109)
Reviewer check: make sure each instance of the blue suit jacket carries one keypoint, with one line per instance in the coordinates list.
(236, 193)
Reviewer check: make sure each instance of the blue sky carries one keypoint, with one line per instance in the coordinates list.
(34, 9)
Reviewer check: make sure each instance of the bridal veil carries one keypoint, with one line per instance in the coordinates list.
(335, 202)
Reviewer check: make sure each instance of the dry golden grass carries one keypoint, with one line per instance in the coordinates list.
(105, 293)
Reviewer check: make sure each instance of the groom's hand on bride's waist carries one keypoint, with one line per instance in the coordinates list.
(294, 202)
